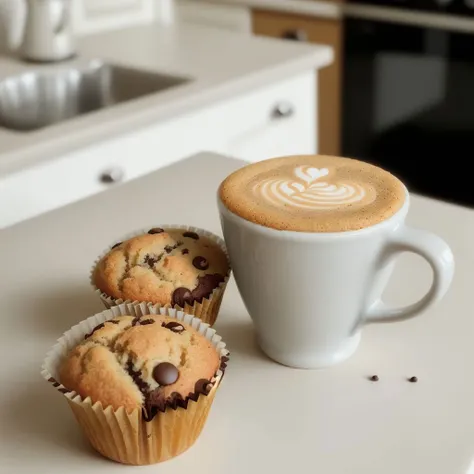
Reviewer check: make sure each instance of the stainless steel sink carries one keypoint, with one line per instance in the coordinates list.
(34, 100)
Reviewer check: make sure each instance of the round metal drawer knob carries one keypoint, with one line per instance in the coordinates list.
(112, 176)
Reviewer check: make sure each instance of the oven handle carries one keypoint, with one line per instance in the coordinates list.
(440, 21)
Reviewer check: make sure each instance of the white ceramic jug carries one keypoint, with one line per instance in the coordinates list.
(48, 35)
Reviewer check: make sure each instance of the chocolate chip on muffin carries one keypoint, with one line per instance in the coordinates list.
(146, 321)
(150, 364)
(200, 263)
(191, 235)
(206, 283)
(174, 326)
(165, 373)
(181, 296)
(202, 386)
(150, 260)
(166, 267)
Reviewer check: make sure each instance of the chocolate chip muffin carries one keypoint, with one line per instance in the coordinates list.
(141, 385)
(147, 362)
(181, 268)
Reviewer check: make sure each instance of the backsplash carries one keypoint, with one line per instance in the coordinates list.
(90, 16)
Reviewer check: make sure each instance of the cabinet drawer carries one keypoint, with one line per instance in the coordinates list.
(316, 30)
(59, 182)
(91, 170)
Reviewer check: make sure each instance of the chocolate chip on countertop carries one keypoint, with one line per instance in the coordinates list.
(181, 296)
(174, 326)
(191, 235)
(165, 373)
(185, 251)
(374, 378)
(116, 245)
(200, 263)
(413, 379)
(156, 230)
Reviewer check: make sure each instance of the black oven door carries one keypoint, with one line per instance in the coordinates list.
(409, 104)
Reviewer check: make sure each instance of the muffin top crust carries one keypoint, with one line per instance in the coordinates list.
(167, 267)
(147, 362)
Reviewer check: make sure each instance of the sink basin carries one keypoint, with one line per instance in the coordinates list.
(35, 100)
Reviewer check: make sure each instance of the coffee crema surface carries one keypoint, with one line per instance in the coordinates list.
(313, 193)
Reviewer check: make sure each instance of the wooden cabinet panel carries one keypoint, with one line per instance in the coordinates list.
(316, 30)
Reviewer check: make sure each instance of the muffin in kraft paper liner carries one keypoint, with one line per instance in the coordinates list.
(132, 437)
(207, 310)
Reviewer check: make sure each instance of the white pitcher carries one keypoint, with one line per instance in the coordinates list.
(48, 35)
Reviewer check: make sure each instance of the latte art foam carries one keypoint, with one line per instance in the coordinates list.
(313, 193)
(310, 191)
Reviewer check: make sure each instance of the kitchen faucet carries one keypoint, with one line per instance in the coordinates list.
(48, 35)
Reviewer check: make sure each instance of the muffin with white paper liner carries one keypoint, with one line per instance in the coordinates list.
(140, 380)
(181, 267)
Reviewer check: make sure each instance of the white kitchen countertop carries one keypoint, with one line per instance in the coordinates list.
(266, 417)
(221, 64)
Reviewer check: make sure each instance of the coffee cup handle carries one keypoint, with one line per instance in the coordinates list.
(440, 257)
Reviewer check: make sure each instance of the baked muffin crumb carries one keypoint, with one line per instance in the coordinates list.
(167, 267)
(150, 363)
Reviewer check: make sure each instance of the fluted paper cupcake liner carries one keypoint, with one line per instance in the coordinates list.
(130, 438)
(207, 310)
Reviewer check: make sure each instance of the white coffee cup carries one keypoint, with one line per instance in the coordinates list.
(310, 294)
